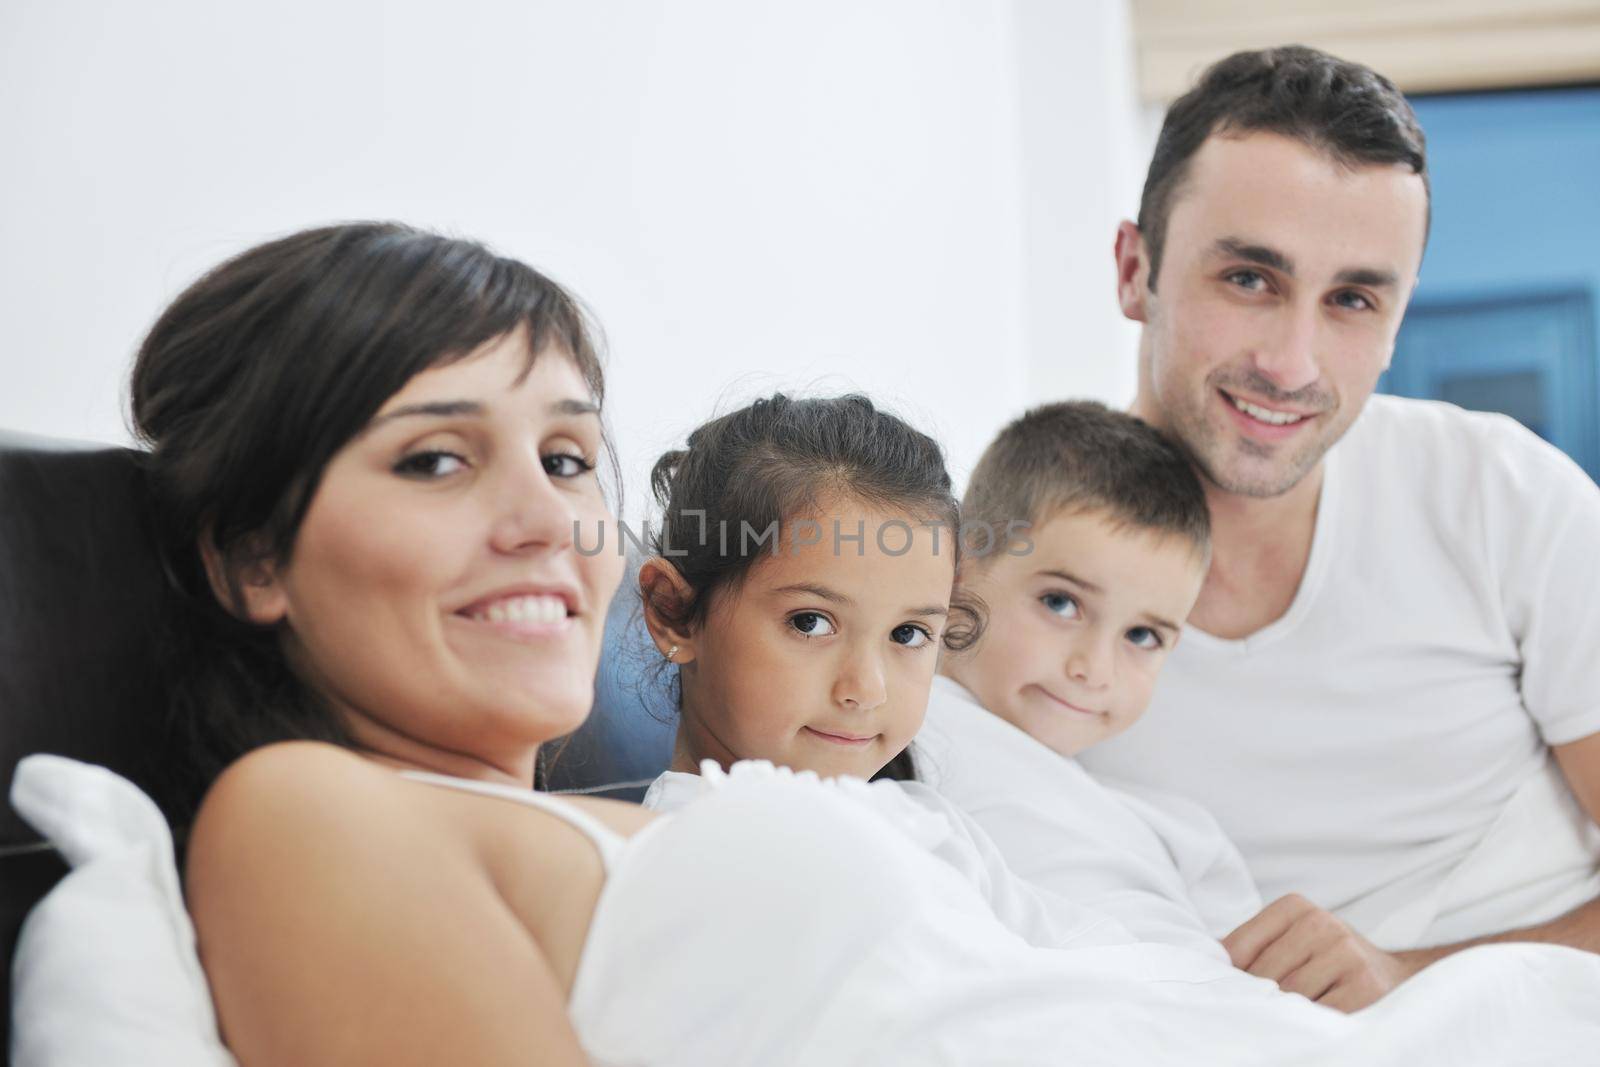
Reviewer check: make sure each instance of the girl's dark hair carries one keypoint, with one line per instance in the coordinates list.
(754, 470)
(247, 386)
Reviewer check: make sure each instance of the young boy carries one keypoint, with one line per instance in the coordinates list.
(1084, 603)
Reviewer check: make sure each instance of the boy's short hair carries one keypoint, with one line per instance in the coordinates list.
(1079, 455)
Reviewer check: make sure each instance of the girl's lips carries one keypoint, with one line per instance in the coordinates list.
(841, 739)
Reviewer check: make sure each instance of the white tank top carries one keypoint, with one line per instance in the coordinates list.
(783, 920)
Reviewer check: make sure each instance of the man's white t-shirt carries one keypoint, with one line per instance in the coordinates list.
(1383, 748)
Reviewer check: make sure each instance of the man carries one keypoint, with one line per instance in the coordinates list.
(1388, 692)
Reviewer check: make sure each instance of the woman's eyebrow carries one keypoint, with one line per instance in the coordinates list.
(476, 409)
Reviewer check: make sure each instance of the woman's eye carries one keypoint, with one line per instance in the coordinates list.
(910, 635)
(1060, 604)
(433, 463)
(811, 624)
(1144, 637)
(566, 465)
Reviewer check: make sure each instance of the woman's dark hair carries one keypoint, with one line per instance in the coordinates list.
(1350, 112)
(777, 460)
(247, 386)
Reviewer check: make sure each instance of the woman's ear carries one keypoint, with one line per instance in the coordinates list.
(250, 590)
(666, 594)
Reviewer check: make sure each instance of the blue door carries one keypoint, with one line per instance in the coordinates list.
(1505, 317)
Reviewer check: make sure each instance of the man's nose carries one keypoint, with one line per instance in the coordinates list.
(1289, 359)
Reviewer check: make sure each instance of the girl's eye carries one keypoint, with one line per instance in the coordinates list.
(910, 635)
(1144, 637)
(1060, 604)
(811, 624)
(432, 463)
(566, 465)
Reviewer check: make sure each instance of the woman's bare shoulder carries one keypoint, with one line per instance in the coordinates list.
(326, 889)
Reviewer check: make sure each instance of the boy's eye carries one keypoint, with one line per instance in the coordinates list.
(432, 463)
(1144, 637)
(811, 624)
(910, 635)
(1061, 604)
(566, 465)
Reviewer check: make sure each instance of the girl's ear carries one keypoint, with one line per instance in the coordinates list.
(666, 594)
(251, 590)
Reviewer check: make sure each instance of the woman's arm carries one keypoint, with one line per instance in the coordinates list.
(340, 926)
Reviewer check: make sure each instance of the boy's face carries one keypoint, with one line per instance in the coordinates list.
(1078, 628)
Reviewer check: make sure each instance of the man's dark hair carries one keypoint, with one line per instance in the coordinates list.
(1352, 113)
(1078, 456)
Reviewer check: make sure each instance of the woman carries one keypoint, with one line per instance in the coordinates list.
(376, 449)
(383, 444)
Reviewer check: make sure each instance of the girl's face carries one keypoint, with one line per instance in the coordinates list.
(822, 657)
(435, 596)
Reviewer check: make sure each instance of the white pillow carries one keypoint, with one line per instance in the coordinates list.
(106, 970)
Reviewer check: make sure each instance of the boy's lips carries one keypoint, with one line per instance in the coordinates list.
(1070, 706)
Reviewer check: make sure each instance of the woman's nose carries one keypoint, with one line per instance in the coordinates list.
(529, 509)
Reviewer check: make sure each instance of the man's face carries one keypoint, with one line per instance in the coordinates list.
(1283, 281)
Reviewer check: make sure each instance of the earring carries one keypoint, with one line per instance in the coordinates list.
(673, 651)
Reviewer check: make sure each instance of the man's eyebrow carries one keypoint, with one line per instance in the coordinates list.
(822, 592)
(476, 409)
(1074, 579)
(1233, 248)
(1372, 277)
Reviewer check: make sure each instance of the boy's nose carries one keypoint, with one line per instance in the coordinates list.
(1089, 663)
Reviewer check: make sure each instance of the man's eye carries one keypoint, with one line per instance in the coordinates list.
(1144, 637)
(1353, 300)
(910, 635)
(1248, 279)
(566, 465)
(433, 463)
(811, 624)
(1061, 604)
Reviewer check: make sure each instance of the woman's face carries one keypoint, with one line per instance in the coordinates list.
(435, 595)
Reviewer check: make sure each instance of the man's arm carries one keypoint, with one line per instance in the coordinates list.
(1580, 928)
(1310, 951)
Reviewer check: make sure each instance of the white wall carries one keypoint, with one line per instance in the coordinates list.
(906, 197)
